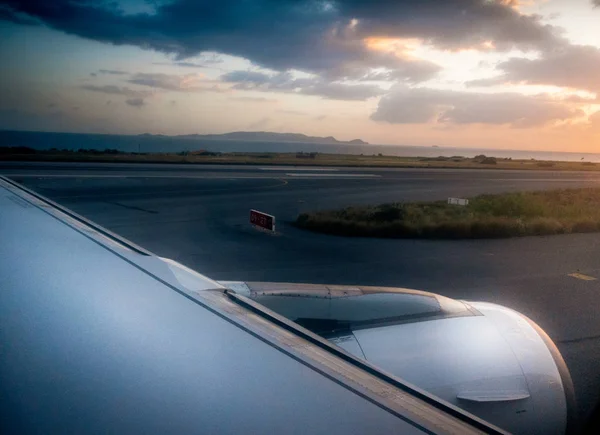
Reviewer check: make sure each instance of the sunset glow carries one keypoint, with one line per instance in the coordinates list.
(505, 73)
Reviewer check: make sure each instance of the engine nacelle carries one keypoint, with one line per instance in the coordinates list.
(484, 358)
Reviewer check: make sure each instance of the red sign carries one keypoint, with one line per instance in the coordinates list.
(262, 220)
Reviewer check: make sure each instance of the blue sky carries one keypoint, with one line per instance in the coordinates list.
(474, 73)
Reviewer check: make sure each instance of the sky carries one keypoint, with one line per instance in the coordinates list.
(512, 74)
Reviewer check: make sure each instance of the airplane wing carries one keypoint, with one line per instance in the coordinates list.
(99, 335)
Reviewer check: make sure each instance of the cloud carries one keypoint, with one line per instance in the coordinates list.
(183, 64)
(116, 90)
(254, 99)
(285, 82)
(421, 105)
(7, 13)
(341, 91)
(205, 60)
(113, 72)
(410, 72)
(596, 3)
(250, 77)
(318, 36)
(454, 24)
(178, 83)
(573, 66)
(135, 102)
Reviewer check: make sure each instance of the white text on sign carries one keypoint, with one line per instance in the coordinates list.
(262, 220)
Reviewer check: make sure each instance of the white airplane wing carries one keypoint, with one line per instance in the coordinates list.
(98, 335)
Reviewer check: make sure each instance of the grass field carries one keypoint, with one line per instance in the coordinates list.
(486, 216)
(292, 159)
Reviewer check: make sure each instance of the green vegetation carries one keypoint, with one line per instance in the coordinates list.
(289, 158)
(486, 216)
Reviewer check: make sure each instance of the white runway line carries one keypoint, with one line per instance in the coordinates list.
(287, 168)
(179, 176)
(291, 174)
(194, 176)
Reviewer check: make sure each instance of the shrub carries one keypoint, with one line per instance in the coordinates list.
(489, 161)
(545, 226)
(585, 226)
(487, 216)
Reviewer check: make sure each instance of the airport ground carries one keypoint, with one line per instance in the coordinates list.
(198, 215)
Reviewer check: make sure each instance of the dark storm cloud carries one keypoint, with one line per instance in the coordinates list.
(7, 13)
(285, 82)
(310, 35)
(419, 105)
(573, 66)
(453, 23)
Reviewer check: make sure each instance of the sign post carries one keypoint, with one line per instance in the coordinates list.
(262, 220)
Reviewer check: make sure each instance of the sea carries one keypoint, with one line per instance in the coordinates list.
(156, 144)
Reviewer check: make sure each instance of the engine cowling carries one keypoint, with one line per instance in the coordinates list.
(487, 359)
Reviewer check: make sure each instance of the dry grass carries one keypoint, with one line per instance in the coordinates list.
(456, 162)
(486, 216)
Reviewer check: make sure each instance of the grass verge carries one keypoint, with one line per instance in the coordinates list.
(487, 216)
(288, 159)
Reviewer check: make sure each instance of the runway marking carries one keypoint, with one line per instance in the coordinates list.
(179, 176)
(582, 276)
(291, 174)
(577, 340)
(222, 175)
(287, 168)
(132, 207)
(283, 182)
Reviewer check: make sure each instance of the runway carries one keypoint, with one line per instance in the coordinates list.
(198, 215)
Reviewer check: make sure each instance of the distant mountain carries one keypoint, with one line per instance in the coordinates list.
(265, 136)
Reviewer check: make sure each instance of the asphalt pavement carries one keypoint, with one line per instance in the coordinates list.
(199, 216)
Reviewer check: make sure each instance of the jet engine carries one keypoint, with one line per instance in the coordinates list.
(484, 358)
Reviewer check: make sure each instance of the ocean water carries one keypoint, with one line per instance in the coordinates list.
(72, 141)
